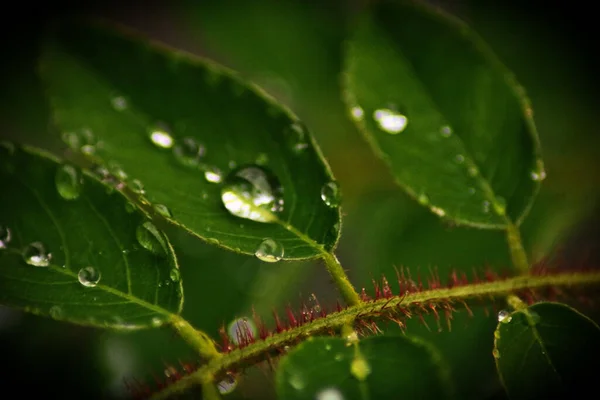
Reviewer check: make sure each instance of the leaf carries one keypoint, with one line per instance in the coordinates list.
(375, 368)
(124, 89)
(449, 119)
(547, 350)
(98, 273)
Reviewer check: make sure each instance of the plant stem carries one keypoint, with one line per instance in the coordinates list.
(341, 280)
(199, 340)
(517, 252)
(516, 303)
(210, 392)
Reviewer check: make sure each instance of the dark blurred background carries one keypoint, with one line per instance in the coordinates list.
(293, 50)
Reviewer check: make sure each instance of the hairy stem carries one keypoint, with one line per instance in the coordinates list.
(515, 245)
(199, 340)
(368, 310)
(341, 280)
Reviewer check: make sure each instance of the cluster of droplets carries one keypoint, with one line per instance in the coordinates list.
(82, 140)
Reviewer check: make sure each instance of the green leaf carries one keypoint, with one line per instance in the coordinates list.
(449, 119)
(374, 368)
(548, 350)
(69, 249)
(124, 89)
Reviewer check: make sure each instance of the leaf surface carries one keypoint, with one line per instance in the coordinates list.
(72, 250)
(449, 119)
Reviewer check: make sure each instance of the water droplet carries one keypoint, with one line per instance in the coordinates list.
(357, 113)
(68, 182)
(423, 199)
(329, 394)
(496, 353)
(330, 194)
(500, 205)
(254, 193)
(151, 238)
(163, 210)
(360, 368)
(438, 211)
(504, 316)
(174, 275)
(269, 251)
(56, 312)
(538, 175)
(89, 276)
(189, 152)
(472, 170)
(213, 174)
(471, 190)
(5, 236)
(297, 381)
(35, 254)
(137, 186)
(459, 158)
(446, 131)
(82, 140)
(327, 347)
(232, 164)
(241, 329)
(296, 138)
(160, 135)
(262, 159)
(390, 121)
(338, 357)
(119, 103)
(117, 171)
(227, 385)
(486, 206)
(156, 322)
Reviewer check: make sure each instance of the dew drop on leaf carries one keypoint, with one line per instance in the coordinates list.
(390, 121)
(486, 206)
(423, 199)
(174, 275)
(296, 138)
(89, 276)
(156, 322)
(119, 103)
(150, 238)
(269, 250)
(5, 236)
(68, 182)
(117, 171)
(360, 368)
(459, 158)
(227, 385)
(160, 136)
(213, 174)
(254, 193)
(137, 186)
(330, 194)
(329, 394)
(35, 254)
(162, 210)
(504, 316)
(357, 113)
(189, 152)
(445, 131)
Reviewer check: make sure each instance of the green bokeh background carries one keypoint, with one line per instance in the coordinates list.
(293, 49)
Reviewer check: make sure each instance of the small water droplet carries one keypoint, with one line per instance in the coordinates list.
(68, 182)
(119, 103)
(262, 159)
(156, 322)
(254, 193)
(486, 206)
(297, 381)
(296, 138)
(330, 194)
(162, 210)
(473, 171)
(160, 135)
(56, 312)
(438, 211)
(189, 152)
(227, 385)
(338, 357)
(82, 140)
(471, 190)
(151, 238)
(232, 164)
(241, 329)
(329, 394)
(269, 250)
(117, 171)
(496, 353)
(459, 158)
(174, 275)
(357, 113)
(446, 131)
(89, 276)
(5, 236)
(423, 199)
(35, 254)
(137, 186)
(500, 205)
(213, 174)
(390, 121)
(504, 316)
(327, 347)
(360, 368)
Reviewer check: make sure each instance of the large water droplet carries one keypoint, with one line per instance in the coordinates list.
(89, 276)
(213, 174)
(330, 194)
(504, 316)
(5, 236)
(269, 250)
(390, 121)
(163, 210)
(227, 385)
(189, 152)
(151, 238)
(160, 135)
(174, 275)
(35, 254)
(240, 329)
(68, 182)
(254, 193)
(360, 368)
(329, 394)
